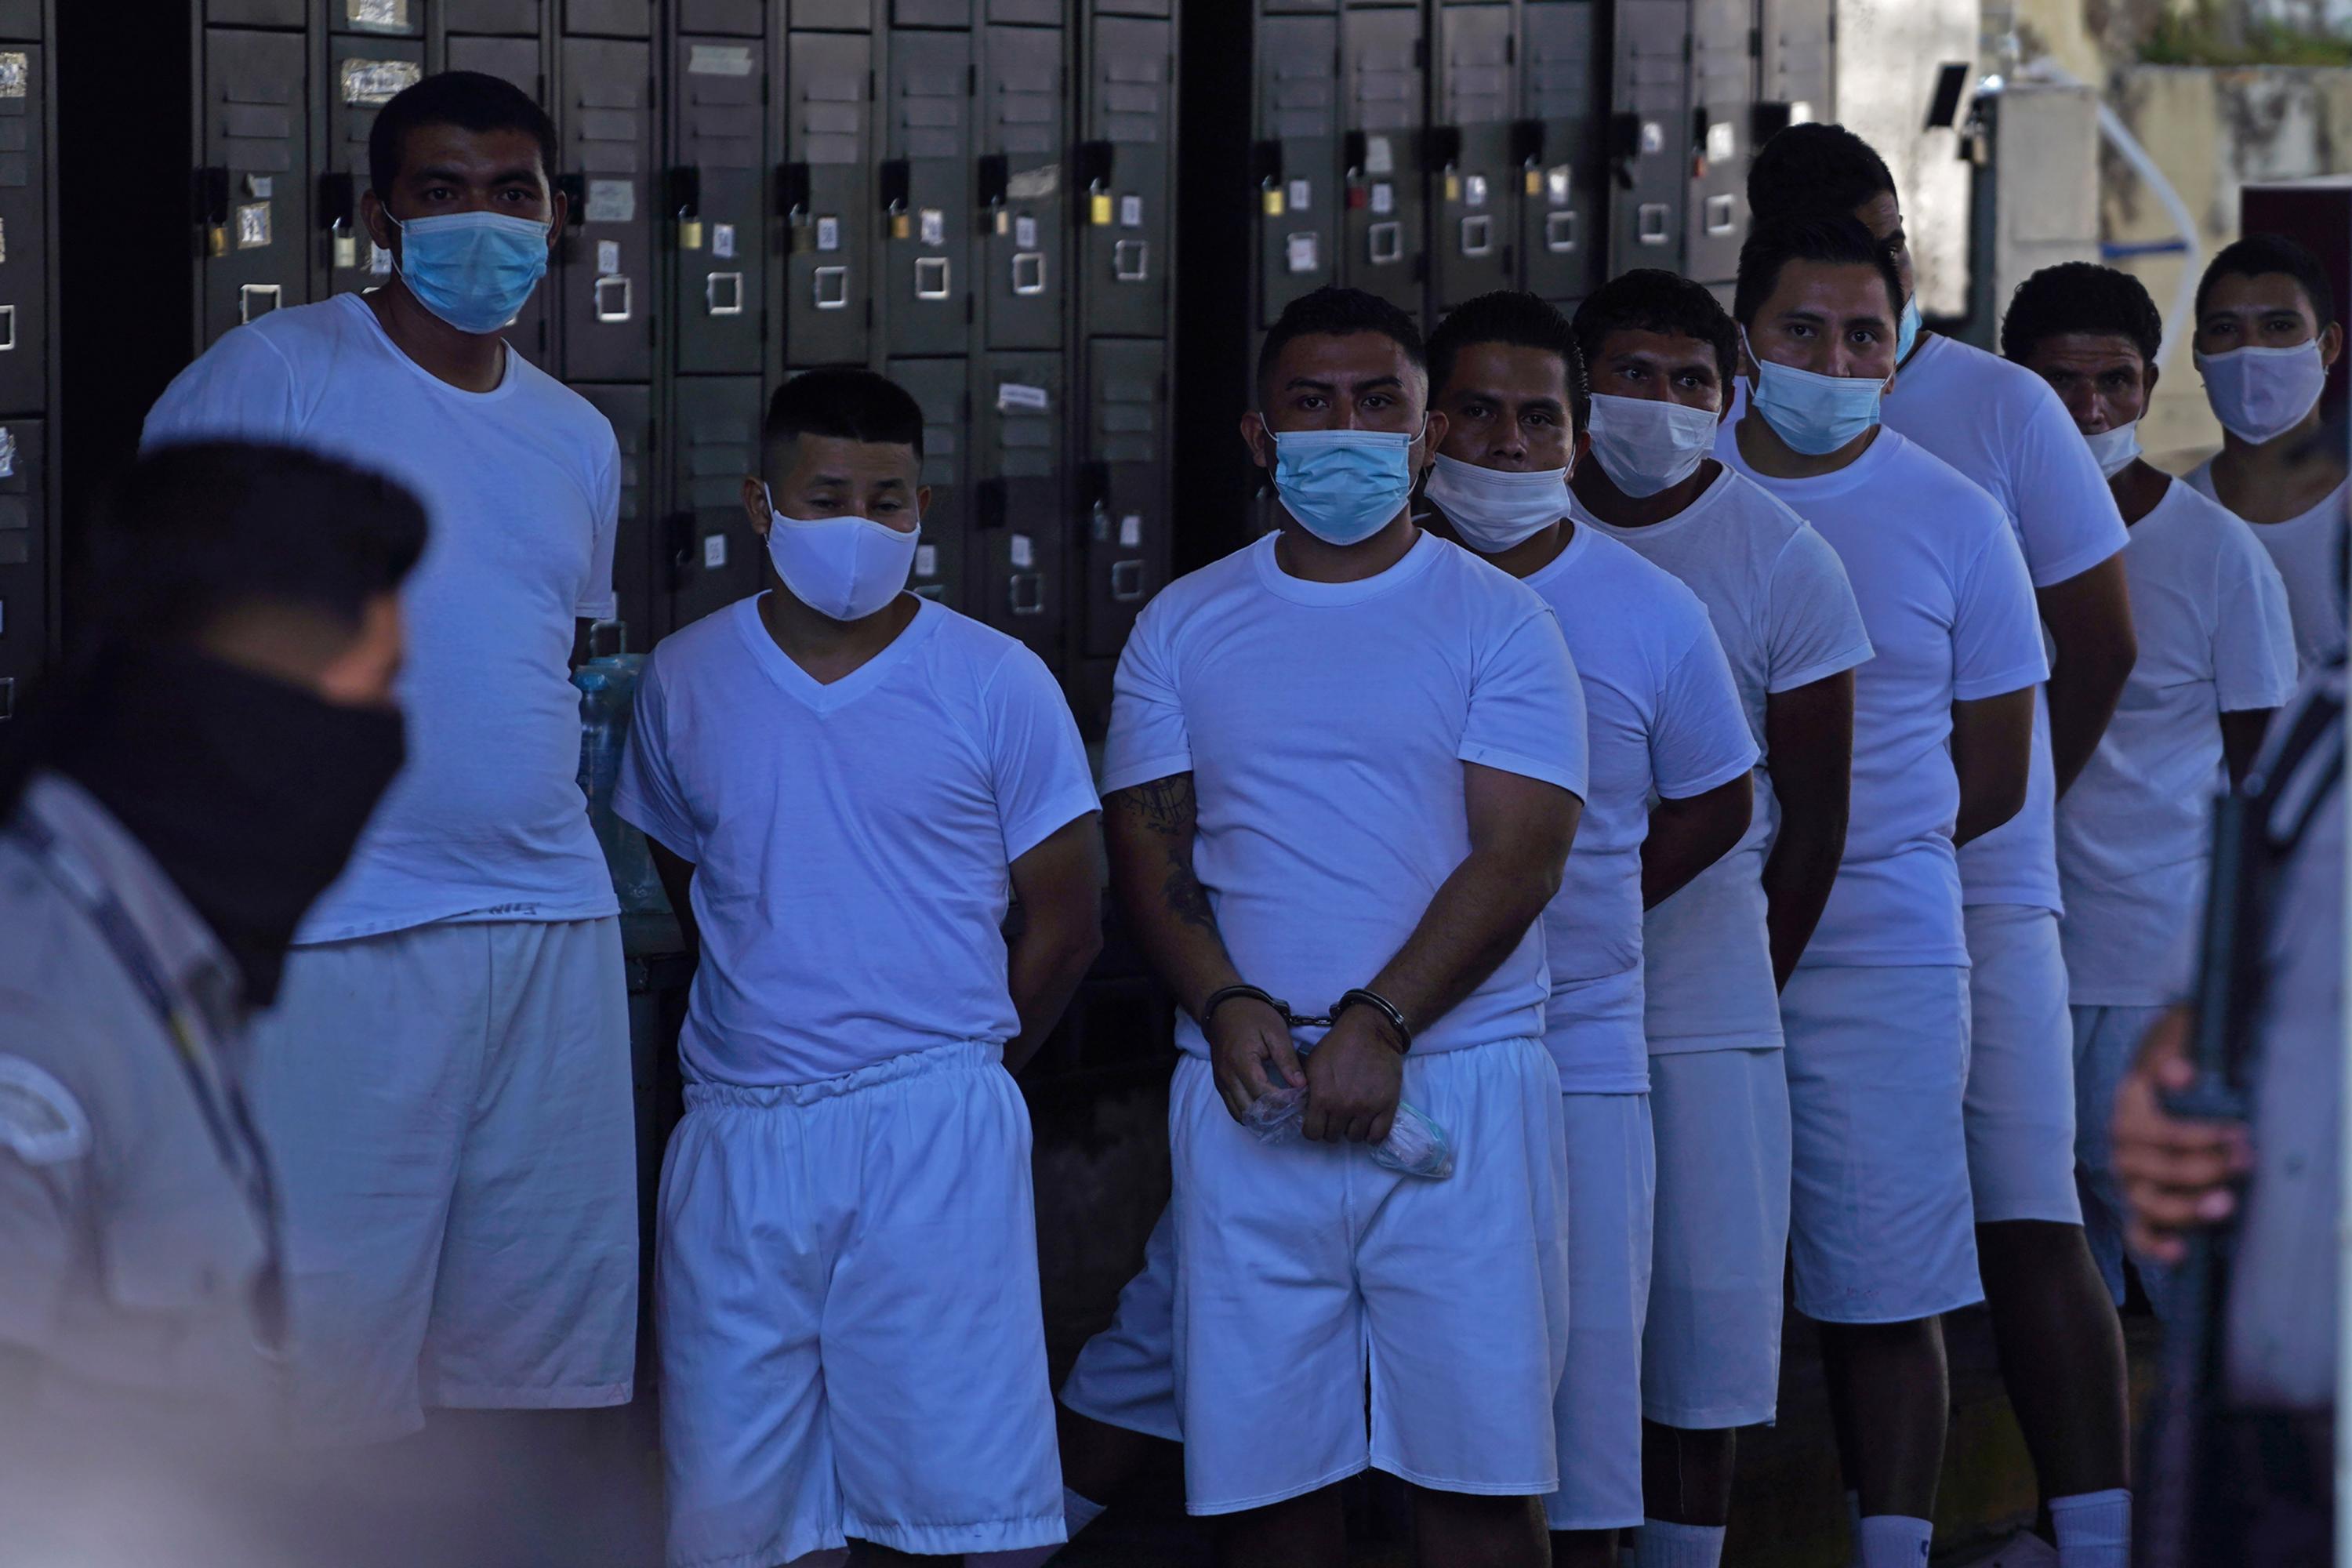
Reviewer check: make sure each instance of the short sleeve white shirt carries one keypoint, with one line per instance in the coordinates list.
(1326, 726)
(2305, 550)
(851, 841)
(1950, 615)
(2214, 638)
(1663, 720)
(521, 486)
(1784, 613)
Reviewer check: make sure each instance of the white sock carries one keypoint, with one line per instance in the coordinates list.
(1663, 1544)
(2093, 1529)
(1077, 1512)
(1895, 1541)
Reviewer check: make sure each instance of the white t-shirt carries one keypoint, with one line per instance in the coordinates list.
(522, 487)
(1786, 617)
(1950, 613)
(2214, 638)
(2307, 550)
(1325, 726)
(1662, 721)
(851, 841)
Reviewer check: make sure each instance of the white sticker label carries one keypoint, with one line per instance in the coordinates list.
(828, 234)
(719, 59)
(1023, 551)
(1473, 190)
(1130, 212)
(377, 13)
(1025, 232)
(608, 259)
(1130, 532)
(7, 453)
(39, 1117)
(722, 241)
(1556, 185)
(1034, 184)
(1013, 394)
(611, 201)
(378, 82)
(931, 227)
(1654, 137)
(927, 561)
(1383, 197)
(1799, 113)
(1300, 193)
(261, 187)
(379, 260)
(1301, 254)
(1722, 142)
(253, 226)
(1380, 157)
(714, 552)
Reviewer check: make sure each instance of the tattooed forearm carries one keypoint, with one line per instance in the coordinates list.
(1164, 807)
(1187, 900)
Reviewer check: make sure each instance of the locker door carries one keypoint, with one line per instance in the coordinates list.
(828, 200)
(610, 18)
(1297, 158)
(1798, 41)
(1477, 180)
(25, 546)
(1125, 545)
(516, 60)
(1023, 228)
(517, 18)
(24, 234)
(1722, 116)
(607, 256)
(743, 19)
(841, 15)
(1129, 199)
(1021, 524)
(254, 205)
(1562, 251)
(363, 76)
(387, 18)
(254, 12)
(637, 577)
(20, 19)
(1032, 13)
(927, 193)
(940, 385)
(714, 556)
(1385, 244)
(1649, 136)
(717, 205)
(931, 13)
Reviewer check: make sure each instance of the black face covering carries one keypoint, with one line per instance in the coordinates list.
(248, 792)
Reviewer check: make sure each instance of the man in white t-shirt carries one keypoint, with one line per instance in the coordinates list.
(1662, 352)
(2267, 333)
(2216, 659)
(1342, 775)
(2001, 427)
(1669, 796)
(1876, 1013)
(444, 1082)
(844, 785)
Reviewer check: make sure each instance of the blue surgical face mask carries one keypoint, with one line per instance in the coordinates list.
(473, 270)
(1906, 331)
(1815, 413)
(1343, 486)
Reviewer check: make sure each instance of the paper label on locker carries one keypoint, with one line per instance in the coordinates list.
(1023, 551)
(828, 234)
(376, 13)
(1383, 197)
(260, 188)
(1722, 142)
(931, 227)
(3, 242)
(1034, 184)
(714, 552)
(1130, 212)
(1473, 190)
(611, 201)
(1301, 195)
(927, 561)
(1014, 394)
(608, 259)
(1801, 113)
(16, 67)
(1380, 156)
(378, 82)
(1654, 137)
(1130, 532)
(379, 260)
(1301, 254)
(1556, 186)
(252, 225)
(719, 59)
(1025, 232)
(7, 453)
(722, 241)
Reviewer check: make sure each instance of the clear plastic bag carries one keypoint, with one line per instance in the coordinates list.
(1415, 1145)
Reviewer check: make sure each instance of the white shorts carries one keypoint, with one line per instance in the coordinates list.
(1880, 1224)
(1597, 1414)
(1711, 1351)
(1304, 1267)
(1126, 1375)
(448, 1111)
(2021, 1095)
(2106, 1040)
(847, 1316)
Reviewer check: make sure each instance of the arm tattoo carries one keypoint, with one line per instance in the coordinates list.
(1166, 808)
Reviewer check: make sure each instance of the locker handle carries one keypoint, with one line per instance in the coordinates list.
(575, 196)
(685, 192)
(897, 185)
(1024, 592)
(338, 201)
(996, 180)
(793, 192)
(1096, 160)
(1528, 142)
(1267, 157)
(1126, 582)
(8, 322)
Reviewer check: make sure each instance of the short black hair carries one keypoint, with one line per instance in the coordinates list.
(1515, 317)
(1651, 300)
(2259, 254)
(1338, 312)
(1814, 168)
(469, 101)
(2081, 297)
(847, 403)
(195, 533)
(1836, 239)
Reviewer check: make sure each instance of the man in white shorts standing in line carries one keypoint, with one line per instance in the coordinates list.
(1876, 1013)
(1344, 769)
(1671, 757)
(1662, 353)
(2062, 1350)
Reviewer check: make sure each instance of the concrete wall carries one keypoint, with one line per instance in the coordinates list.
(1888, 52)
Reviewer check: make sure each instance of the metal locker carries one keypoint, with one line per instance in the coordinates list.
(931, 13)
(743, 19)
(1649, 140)
(1123, 176)
(714, 556)
(716, 206)
(1721, 119)
(841, 16)
(926, 195)
(26, 568)
(518, 18)
(827, 200)
(24, 232)
(642, 588)
(517, 60)
(1474, 178)
(1297, 159)
(1021, 529)
(940, 385)
(606, 257)
(20, 19)
(256, 12)
(1029, 13)
(1564, 95)
(1385, 245)
(1797, 40)
(253, 206)
(609, 18)
(363, 76)
(1126, 518)
(1022, 223)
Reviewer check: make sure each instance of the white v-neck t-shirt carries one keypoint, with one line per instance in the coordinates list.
(1663, 719)
(2305, 550)
(1778, 600)
(851, 841)
(1951, 615)
(1326, 726)
(2214, 638)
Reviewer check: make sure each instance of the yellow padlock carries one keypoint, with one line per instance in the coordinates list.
(690, 233)
(1003, 221)
(1098, 209)
(901, 227)
(1273, 201)
(1453, 186)
(216, 240)
(1535, 182)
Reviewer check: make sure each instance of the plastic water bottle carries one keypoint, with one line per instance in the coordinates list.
(608, 692)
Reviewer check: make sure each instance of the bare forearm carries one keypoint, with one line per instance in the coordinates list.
(1042, 969)
(1984, 804)
(1473, 925)
(2093, 648)
(2081, 698)
(1798, 876)
(1149, 831)
(1685, 836)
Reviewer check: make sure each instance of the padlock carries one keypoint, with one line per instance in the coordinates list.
(216, 240)
(1535, 182)
(902, 225)
(1453, 186)
(1098, 209)
(690, 233)
(347, 247)
(1273, 201)
(1003, 221)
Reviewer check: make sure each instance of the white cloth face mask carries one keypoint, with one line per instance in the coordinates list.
(1646, 445)
(1492, 509)
(844, 568)
(2114, 449)
(2260, 394)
